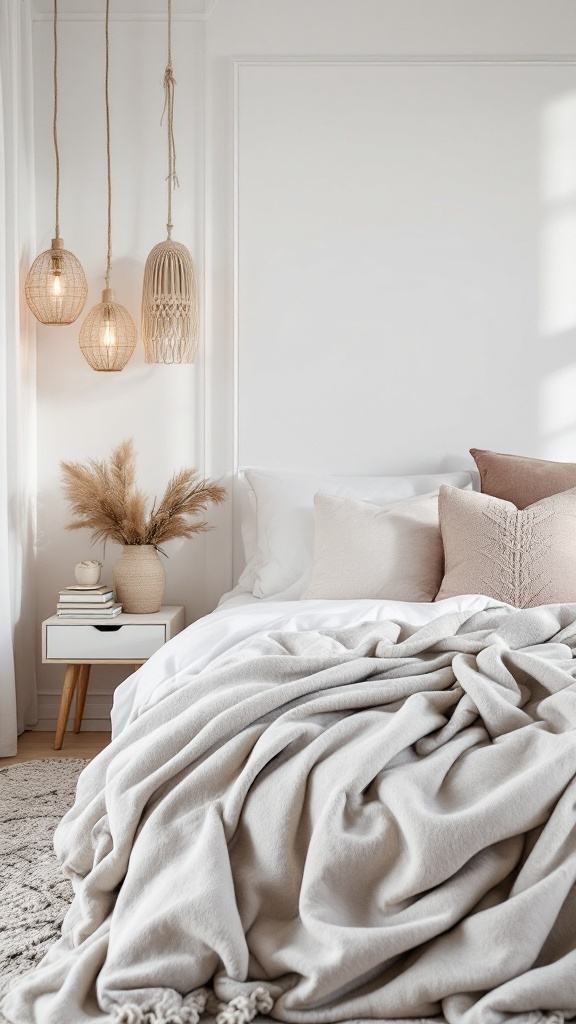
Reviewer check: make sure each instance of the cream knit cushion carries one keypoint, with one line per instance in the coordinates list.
(523, 557)
(362, 550)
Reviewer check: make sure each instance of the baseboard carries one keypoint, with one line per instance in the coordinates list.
(96, 717)
(88, 725)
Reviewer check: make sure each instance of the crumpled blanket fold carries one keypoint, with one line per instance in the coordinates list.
(370, 823)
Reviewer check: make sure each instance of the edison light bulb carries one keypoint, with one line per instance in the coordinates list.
(108, 335)
(58, 288)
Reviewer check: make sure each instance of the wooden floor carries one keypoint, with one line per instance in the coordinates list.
(34, 745)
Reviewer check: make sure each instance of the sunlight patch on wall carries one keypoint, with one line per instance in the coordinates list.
(557, 415)
(558, 273)
(558, 240)
(557, 392)
(559, 150)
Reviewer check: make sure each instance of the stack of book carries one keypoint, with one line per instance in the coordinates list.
(82, 601)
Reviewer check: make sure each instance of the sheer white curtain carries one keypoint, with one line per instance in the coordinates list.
(17, 378)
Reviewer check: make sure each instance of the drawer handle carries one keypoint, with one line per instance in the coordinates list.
(108, 629)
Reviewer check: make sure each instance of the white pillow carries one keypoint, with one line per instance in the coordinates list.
(246, 503)
(283, 506)
(392, 552)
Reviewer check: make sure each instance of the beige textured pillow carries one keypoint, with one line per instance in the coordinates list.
(522, 557)
(520, 480)
(363, 550)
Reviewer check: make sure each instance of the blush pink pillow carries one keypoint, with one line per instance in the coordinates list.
(520, 480)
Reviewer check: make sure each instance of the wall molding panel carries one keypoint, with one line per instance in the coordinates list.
(274, 138)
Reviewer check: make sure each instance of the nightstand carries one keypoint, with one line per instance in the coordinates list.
(83, 642)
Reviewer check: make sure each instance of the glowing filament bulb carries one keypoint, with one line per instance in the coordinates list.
(56, 282)
(56, 286)
(108, 334)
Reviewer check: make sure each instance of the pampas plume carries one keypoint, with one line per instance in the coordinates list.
(104, 498)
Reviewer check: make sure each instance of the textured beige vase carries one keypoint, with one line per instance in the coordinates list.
(139, 579)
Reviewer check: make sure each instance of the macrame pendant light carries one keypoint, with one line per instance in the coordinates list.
(169, 297)
(55, 285)
(108, 334)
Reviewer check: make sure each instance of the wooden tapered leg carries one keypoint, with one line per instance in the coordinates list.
(81, 691)
(70, 680)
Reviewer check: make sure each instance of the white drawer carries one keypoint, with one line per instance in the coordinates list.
(107, 641)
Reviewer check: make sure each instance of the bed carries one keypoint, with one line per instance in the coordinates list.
(348, 793)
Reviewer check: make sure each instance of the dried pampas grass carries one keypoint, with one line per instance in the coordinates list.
(104, 498)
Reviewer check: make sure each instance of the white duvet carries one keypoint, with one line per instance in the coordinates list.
(221, 636)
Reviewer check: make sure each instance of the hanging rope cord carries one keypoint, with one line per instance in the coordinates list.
(169, 83)
(108, 163)
(55, 120)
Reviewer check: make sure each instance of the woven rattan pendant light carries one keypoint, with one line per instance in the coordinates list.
(55, 286)
(169, 297)
(108, 334)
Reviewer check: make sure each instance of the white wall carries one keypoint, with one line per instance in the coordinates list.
(303, 168)
(400, 260)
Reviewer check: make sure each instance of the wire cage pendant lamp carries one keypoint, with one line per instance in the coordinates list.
(55, 286)
(169, 294)
(108, 334)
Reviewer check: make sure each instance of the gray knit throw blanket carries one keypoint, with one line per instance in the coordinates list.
(372, 823)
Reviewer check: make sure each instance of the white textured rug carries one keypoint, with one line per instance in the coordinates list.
(35, 896)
